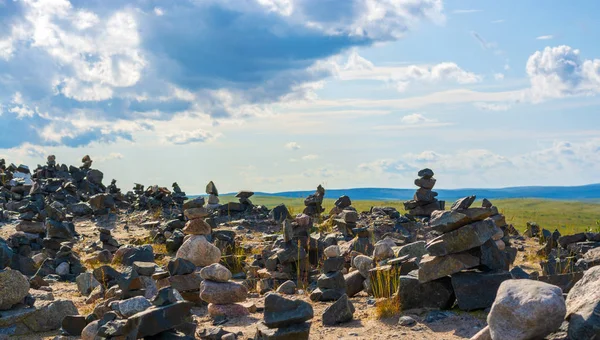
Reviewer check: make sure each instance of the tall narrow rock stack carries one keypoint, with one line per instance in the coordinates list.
(196, 247)
(183, 277)
(340, 204)
(285, 319)
(331, 284)
(213, 196)
(470, 240)
(424, 201)
(314, 202)
(223, 296)
(178, 194)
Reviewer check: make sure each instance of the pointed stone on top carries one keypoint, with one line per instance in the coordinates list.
(211, 189)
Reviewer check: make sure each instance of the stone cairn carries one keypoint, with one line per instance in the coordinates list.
(424, 201)
(213, 196)
(196, 248)
(346, 216)
(340, 204)
(285, 319)
(222, 294)
(331, 284)
(470, 240)
(314, 202)
(181, 275)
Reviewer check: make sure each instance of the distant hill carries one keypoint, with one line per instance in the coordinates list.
(576, 193)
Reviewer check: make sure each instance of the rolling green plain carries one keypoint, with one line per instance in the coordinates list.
(566, 216)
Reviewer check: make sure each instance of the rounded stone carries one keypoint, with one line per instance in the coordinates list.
(288, 287)
(363, 263)
(199, 251)
(222, 293)
(215, 272)
(14, 288)
(332, 251)
(197, 227)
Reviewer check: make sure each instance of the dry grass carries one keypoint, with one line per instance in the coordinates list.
(387, 307)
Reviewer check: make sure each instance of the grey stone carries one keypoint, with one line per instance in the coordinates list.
(223, 293)
(199, 251)
(281, 312)
(299, 331)
(49, 315)
(14, 288)
(477, 290)
(216, 272)
(435, 267)
(363, 263)
(406, 321)
(583, 306)
(354, 283)
(437, 294)
(339, 312)
(288, 287)
(133, 306)
(464, 238)
(526, 309)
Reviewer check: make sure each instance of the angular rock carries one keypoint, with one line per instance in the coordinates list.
(583, 306)
(477, 290)
(383, 250)
(564, 241)
(300, 331)
(31, 227)
(445, 221)
(49, 315)
(281, 312)
(133, 306)
(333, 264)
(463, 203)
(437, 294)
(199, 251)
(196, 213)
(459, 240)
(412, 250)
(223, 293)
(333, 280)
(144, 268)
(363, 263)
(288, 287)
(73, 324)
(197, 227)
(233, 310)
(179, 266)
(526, 309)
(159, 319)
(435, 267)
(339, 312)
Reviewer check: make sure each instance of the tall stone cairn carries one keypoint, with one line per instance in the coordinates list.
(424, 201)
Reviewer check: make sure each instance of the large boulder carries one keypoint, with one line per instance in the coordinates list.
(526, 309)
(199, 251)
(583, 306)
(49, 315)
(475, 290)
(13, 288)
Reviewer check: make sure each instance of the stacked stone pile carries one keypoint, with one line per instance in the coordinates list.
(196, 248)
(222, 294)
(213, 196)
(424, 202)
(342, 203)
(470, 240)
(182, 276)
(285, 319)
(314, 202)
(331, 285)
(346, 222)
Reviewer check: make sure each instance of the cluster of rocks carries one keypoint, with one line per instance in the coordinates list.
(25, 311)
(285, 319)
(345, 216)
(222, 295)
(314, 203)
(424, 202)
(182, 276)
(331, 285)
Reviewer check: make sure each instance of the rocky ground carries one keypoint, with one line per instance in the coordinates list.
(83, 260)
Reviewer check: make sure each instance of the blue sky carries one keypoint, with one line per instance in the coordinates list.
(277, 95)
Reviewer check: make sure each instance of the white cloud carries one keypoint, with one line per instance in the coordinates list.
(498, 76)
(359, 68)
(414, 121)
(499, 21)
(466, 11)
(109, 157)
(493, 106)
(188, 137)
(292, 146)
(559, 71)
(545, 37)
(310, 157)
(159, 11)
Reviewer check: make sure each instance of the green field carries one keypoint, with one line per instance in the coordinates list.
(566, 216)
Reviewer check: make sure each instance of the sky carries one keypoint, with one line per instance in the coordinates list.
(276, 95)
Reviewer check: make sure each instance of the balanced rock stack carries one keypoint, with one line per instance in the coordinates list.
(196, 247)
(346, 222)
(181, 276)
(285, 319)
(244, 198)
(108, 241)
(213, 196)
(340, 204)
(331, 284)
(470, 240)
(223, 296)
(424, 201)
(314, 202)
